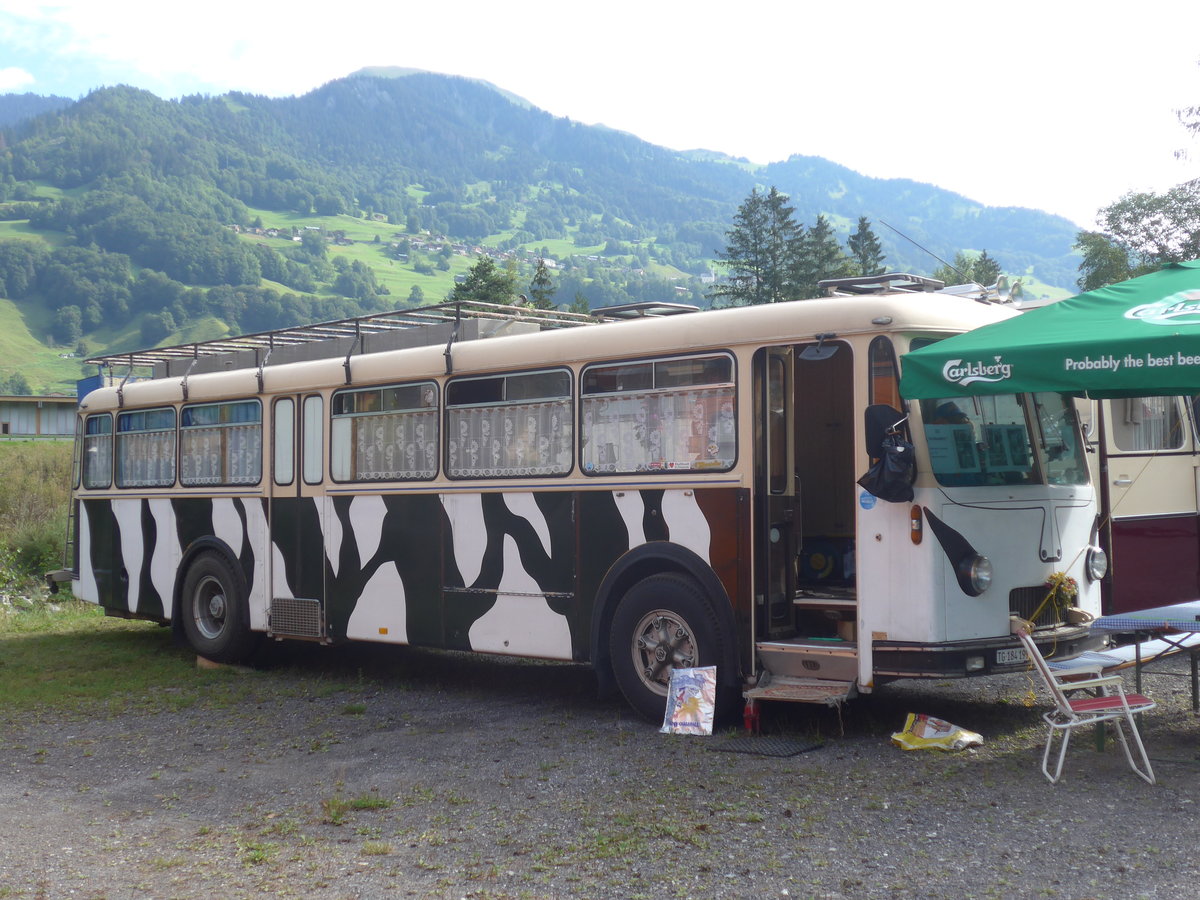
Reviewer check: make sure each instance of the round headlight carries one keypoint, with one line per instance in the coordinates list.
(975, 574)
(1097, 563)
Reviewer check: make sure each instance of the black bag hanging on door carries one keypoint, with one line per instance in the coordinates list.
(890, 476)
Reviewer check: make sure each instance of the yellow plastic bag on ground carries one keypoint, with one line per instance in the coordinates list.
(922, 732)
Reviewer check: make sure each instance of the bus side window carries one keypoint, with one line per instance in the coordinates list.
(668, 415)
(220, 443)
(388, 433)
(97, 451)
(519, 423)
(283, 434)
(885, 377)
(314, 421)
(1147, 423)
(145, 448)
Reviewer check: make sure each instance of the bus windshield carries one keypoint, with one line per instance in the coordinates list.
(976, 441)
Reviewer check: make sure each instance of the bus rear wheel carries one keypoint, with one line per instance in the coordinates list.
(663, 622)
(216, 618)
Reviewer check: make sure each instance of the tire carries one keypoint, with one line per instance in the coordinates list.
(216, 618)
(662, 622)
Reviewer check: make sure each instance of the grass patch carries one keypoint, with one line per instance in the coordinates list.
(69, 657)
(35, 488)
(336, 809)
(370, 801)
(256, 854)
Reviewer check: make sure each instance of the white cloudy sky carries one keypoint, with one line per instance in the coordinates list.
(1058, 105)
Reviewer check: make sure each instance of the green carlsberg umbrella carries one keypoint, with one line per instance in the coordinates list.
(1137, 338)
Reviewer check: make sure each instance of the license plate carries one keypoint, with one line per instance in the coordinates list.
(1011, 657)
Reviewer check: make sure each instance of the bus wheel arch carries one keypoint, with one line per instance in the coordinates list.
(212, 609)
(667, 581)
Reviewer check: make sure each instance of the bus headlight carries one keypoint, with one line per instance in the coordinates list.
(1096, 563)
(975, 574)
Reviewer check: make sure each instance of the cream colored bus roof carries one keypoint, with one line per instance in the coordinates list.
(804, 320)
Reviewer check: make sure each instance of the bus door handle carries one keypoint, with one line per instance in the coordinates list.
(1122, 481)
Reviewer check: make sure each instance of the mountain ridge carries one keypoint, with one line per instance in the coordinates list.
(183, 191)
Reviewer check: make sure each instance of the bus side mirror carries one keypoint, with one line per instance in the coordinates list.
(891, 474)
(878, 420)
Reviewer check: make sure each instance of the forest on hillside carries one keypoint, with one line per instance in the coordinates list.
(126, 211)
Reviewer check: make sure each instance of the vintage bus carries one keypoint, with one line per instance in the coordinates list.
(665, 492)
(1145, 459)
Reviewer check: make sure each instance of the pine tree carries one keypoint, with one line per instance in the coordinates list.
(865, 249)
(762, 243)
(981, 270)
(986, 270)
(958, 273)
(541, 286)
(820, 257)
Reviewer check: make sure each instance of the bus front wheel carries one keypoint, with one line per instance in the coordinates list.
(663, 622)
(215, 615)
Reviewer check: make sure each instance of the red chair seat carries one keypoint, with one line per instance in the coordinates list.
(1100, 704)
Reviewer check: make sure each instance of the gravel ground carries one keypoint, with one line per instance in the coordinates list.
(383, 772)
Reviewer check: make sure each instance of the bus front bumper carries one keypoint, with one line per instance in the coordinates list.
(965, 659)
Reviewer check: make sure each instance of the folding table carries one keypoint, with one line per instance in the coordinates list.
(1160, 631)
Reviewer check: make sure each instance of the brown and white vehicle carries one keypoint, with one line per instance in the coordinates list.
(1145, 460)
(671, 491)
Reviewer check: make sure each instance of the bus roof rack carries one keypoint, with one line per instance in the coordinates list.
(375, 331)
(644, 308)
(880, 284)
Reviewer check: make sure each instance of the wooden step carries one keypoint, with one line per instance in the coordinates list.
(802, 690)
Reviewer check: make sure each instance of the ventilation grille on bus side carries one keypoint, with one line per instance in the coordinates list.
(296, 617)
(1024, 602)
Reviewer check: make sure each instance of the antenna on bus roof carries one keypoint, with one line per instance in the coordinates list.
(966, 279)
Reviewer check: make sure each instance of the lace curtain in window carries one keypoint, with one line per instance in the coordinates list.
(389, 446)
(97, 460)
(510, 440)
(146, 459)
(668, 430)
(222, 454)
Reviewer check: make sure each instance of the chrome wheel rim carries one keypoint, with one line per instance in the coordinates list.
(210, 608)
(662, 641)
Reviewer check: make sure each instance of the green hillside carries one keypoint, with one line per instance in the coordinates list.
(46, 369)
(127, 220)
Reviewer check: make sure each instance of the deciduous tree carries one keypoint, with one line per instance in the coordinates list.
(486, 283)
(1141, 232)
(1156, 228)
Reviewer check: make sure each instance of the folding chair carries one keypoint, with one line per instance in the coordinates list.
(1111, 703)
